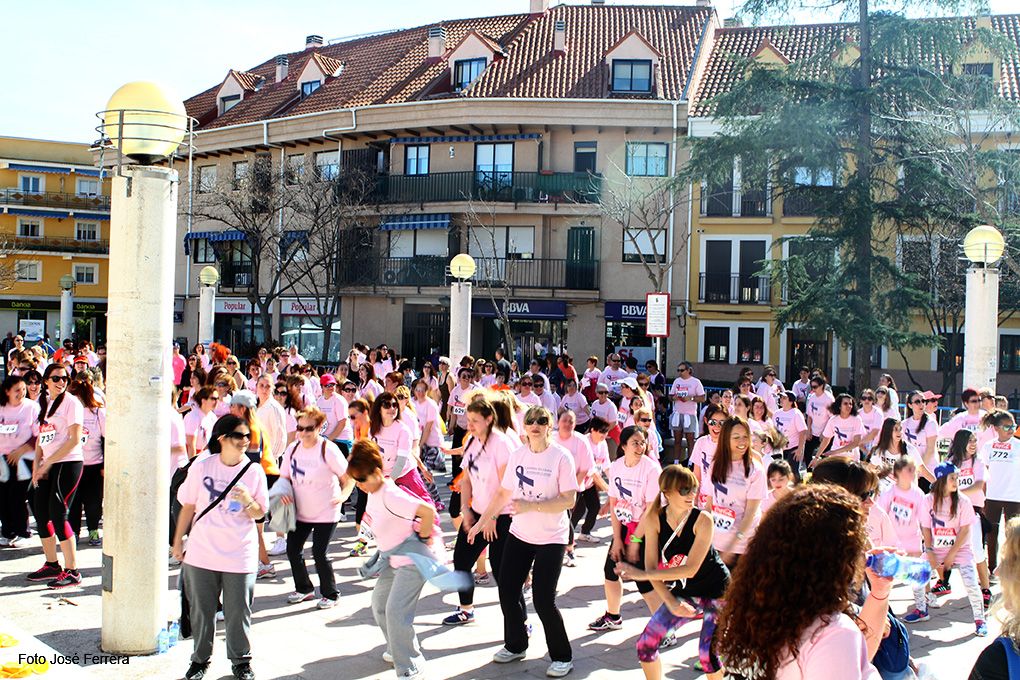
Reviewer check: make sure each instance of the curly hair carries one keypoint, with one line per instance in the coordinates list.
(761, 624)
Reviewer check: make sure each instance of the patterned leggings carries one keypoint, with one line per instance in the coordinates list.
(664, 622)
(968, 573)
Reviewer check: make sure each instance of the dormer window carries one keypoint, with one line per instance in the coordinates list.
(984, 69)
(309, 87)
(229, 102)
(466, 71)
(632, 75)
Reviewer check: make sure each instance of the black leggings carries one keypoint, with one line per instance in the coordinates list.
(321, 534)
(587, 506)
(465, 554)
(359, 507)
(518, 559)
(89, 497)
(53, 495)
(609, 569)
(458, 440)
(13, 507)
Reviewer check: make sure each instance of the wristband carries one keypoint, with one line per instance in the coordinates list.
(636, 539)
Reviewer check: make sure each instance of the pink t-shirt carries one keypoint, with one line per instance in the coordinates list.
(881, 531)
(729, 503)
(818, 411)
(92, 433)
(370, 389)
(689, 388)
(541, 476)
(961, 421)
(920, 438)
(904, 509)
(428, 412)
(600, 452)
(829, 648)
(578, 404)
(17, 426)
(457, 405)
(54, 432)
(971, 479)
(200, 426)
(315, 475)
(390, 514)
(769, 500)
(335, 409)
(792, 425)
(872, 421)
(606, 411)
(394, 440)
(584, 459)
(843, 431)
(770, 393)
(633, 488)
(484, 465)
(945, 529)
(529, 400)
(226, 538)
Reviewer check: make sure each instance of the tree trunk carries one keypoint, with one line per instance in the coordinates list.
(861, 367)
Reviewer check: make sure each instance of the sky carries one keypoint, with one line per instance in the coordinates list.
(66, 57)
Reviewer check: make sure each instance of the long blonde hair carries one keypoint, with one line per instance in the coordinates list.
(1007, 608)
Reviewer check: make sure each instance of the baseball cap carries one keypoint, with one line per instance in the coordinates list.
(243, 398)
(944, 469)
(629, 382)
(327, 379)
(80, 359)
(928, 394)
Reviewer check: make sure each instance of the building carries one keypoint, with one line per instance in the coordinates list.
(54, 221)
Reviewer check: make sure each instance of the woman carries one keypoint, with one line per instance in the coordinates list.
(198, 423)
(234, 371)
(56, 475)
(225, 388)
(705, 446)
(297, 392)
(275, 437)
(431, 425)
(446, 385)
(317, 472)
(197, 381)
(394, 436)
(605, 409)
(591, 377)
(884, 403)
(1001, 657)
(791, 424)
(541, 483)
(291, 405)
(488, 374)
(90, 490)
(843, 431)
(221, 498)
(814, 634)
(368, 386)
(254, 372)
(633, 485)
(678, 549)
(921, 431)
(963, 453)
(891, 446)
(738, 486)
(1002, 491)
(526, 395)
(886, 381)
(485, 457)
(428, 374)
(576, 402)
(335, 428)
(18, 415)
(817, 411)
(184, 384)
(204, 360)
(34, 383)
(584, 465)
(243, 404)
(358, 412)
(872, 419)
(589, 502)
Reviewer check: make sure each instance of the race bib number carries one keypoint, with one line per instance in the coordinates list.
(459, 410)
(901, 511)
(9, 429)
(681, 392)
(621, 417)
(703, 500)
(965, 478)
(1001, 451)
(615, 385)
(84, 436)
(674, 562)
(47, 433)
(624, 512)
(944, 537)
(725, 518)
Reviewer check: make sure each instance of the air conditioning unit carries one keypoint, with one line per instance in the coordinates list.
(390, 276)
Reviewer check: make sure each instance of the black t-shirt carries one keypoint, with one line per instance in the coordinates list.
(712, 576)
(991, 664)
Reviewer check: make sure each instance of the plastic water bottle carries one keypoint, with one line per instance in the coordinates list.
(900, 567)
(175, 633)
(163, 641)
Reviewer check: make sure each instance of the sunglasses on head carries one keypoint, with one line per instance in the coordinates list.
(238, 435)
(307, 428)
(540, 420)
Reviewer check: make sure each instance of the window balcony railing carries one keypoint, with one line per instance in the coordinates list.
(236, 275)
(804, 201)
(718, 202)
(493, 186)
(54, 200)
(60, 244)
(734, 289)
(431, 271)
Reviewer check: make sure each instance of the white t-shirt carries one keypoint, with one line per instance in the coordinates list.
(1003, 459)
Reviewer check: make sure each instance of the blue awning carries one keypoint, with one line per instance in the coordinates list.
(39, 168)
(466, 138)
(212, 237)
(424, 221)
(60, 214)
(291, 237)
(92, 216)
(88, 172)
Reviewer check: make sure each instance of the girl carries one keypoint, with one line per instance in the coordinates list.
(736, 490)
(843, 431)
(587, 505)
(679, 549)
(884, 404)
(921, 430)
(428, 374)
(791, 424)
(819, 400)
(705, 446)
(90, 490)
(963, 453)
(584, 465)
(633, 485)
(726, 401)
(368, 387)
(254, 371)
(872, 419)
(34, 381)
(590, 378)
(358, 413)
(780, 476)
(886, 382)
(946, 523)
(904, 503)
(18, 415)
(605, 409)
(203, 359)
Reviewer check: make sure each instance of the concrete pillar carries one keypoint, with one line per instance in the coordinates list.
(66, 317)
(206, 314)
(981, 328)
(143, 224)
(460, 321)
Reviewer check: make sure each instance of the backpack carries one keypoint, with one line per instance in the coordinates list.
(893, 653)
(176, 481)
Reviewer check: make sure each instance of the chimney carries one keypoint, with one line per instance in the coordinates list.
(539, 6)
(437, 42)
(598, 2)
(560, 36)
(704, 3)
(313, 41)
(983, 21)
(733, 22)
(282, 67)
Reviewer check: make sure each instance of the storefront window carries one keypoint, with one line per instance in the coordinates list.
(533, 338)
(309, 338)
(239, 332)
(628, 339)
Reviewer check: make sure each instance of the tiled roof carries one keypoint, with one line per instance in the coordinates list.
(328, 65)
(394, 67)
(732, 45)
(248, 80)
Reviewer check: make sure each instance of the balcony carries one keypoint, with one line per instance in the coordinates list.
(804, 201)
(431, 271)
(734, 289)
(54, 200)
(236, 275)
(59, 244)
(718, 202)
(498, 187)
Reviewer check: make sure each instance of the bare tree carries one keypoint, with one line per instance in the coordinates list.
(493, 275)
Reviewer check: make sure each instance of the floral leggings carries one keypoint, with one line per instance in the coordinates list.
(664, 622)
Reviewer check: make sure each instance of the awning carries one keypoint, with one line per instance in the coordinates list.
(92, 216)
(88, 172)
(465, 138)
(422, 221)
(292, 237)
(25, 212)
(212, 237)
(39, 168)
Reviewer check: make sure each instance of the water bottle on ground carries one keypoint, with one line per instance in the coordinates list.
(163, 642)
(174, 633)
(900, 567)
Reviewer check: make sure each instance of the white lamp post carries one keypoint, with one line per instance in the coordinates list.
(462, 268)
(983, 246)
(66, 329)
(145, 124)
(208, 277)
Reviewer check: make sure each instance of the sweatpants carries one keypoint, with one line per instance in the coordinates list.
(321, 534)
(204, 588)
(994, 510)
(587, 505)
(53, 495)
(394, 600)
(88, 497)
(664, 622)
(518, 559)
(465, 554)
(13, 507)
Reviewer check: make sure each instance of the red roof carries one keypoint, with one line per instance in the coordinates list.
(249, 81)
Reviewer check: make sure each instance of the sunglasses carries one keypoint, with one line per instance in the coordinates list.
(359, 480)
(221, 384)
(280, 393)
(388, 404)
(238, 435)
(349, 389)
(231, 363)
(973, 401)
(34, 382)
(867, 495)
(815, 386)
(602, 392)
(527, 384)
(541, 420)
(59, 378)
(1009, 428)
(867, 399)
(715, 423)
(644, 420)
(931, 401)
(917, 402)
(309, 428)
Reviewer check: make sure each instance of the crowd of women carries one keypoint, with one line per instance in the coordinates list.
(710, 528)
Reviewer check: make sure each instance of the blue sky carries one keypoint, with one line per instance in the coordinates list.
(66, 57)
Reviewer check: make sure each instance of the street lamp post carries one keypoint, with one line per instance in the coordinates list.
(66, 308)
(983, 246)
(208, 277)
(145, 125)
(462, 268)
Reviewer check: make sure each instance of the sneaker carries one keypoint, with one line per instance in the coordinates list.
(13, 542)
(986, 595)
(980, 628)
(326, 603)
(220, 618)
(459, 618)
(568, 559)
(343, 517)
(196, 671)
(297, 598)
(94, 540)
(387, 657)
(587, 538)
(4, 542)
(559, 669)
(266, 571)
(941, 588)
(931, 602)
(668, 641)
(916, 616)
(66, 579)
(243, 671)
(504, 655)
(360, 548)
(279, 547)
(48, 572)
(606, 622)
(481, 578)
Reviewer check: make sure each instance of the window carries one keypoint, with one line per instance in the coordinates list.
(733, 271)
(805, 176)
(584, 156)
(207, 178)
(494, 165)
(416, 159)
(651, 243)
(86, 231)
(28, 271)
(88, 187)
(950, 349)
(419, 242)
(240, 173)
(466, 71)
(750, 345)
(647, 159)
(632, 75)
(309, 87)
(202, 251)
(86, 274)
(1009, 353)
(986, 70)
(30, 228)
(717, 344)
(32, 184)
(876, 356)
(295, 168)
(327, 165)
(512, 243)
(228, 102)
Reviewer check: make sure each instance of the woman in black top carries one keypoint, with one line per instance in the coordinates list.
(683, 567)
(1001, 659)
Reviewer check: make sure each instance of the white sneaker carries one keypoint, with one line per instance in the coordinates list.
(266, 571)
(219, 616)
(326, 603)
(387, 657)
(558, 669)
(932, 601)
(297, 598)
(279, 547)
(587, 538)
(13, 542)
(504, 655)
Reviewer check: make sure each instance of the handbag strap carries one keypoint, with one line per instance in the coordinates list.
(223, 494)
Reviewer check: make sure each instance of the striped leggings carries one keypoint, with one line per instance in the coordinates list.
(664, 622)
